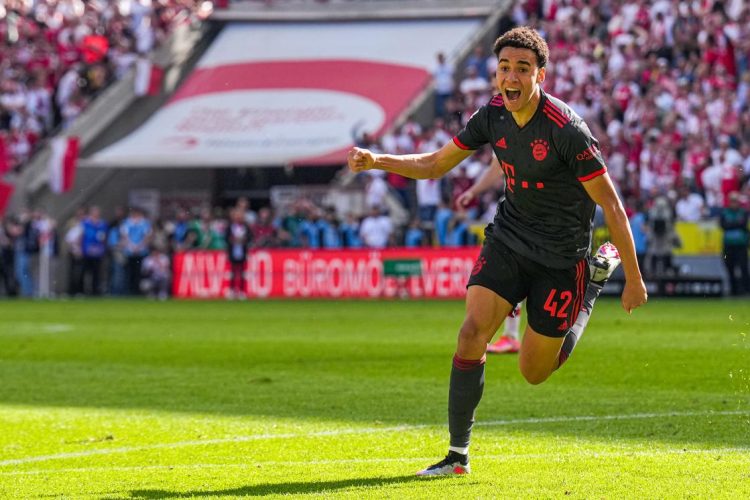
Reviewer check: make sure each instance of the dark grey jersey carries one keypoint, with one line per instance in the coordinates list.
(546, 215)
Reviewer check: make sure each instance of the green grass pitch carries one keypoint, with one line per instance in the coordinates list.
(144, 400)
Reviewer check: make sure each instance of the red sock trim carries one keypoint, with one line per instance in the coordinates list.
(466, 365)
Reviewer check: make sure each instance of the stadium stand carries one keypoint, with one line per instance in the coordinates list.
(665, 88)
(56, 57)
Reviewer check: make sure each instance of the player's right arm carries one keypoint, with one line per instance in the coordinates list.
(416, 166)
(490, 179)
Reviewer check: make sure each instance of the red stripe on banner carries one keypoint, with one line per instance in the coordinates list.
(554, 118)
(4, 156)
(363, 78)
(593, 174)
(6, 191)
(155, 79)
(367, 79)
(460, 144)
(70, 161)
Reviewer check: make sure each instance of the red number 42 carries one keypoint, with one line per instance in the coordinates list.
(552, 305)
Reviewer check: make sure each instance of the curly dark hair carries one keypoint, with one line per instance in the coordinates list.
(524, 38)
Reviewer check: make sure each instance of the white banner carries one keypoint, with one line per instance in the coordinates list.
(279, 94)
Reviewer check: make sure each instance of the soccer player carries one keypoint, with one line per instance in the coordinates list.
(537, 247)
(603, 264)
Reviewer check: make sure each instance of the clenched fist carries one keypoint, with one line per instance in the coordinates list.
(360, 160)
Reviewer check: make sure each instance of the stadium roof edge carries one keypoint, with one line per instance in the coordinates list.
(361, 10)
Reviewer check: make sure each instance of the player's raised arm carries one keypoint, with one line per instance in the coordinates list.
(416, 166)
(601, 190)
(490, 179)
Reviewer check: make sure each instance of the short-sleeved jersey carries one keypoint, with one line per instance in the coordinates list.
(546, 215)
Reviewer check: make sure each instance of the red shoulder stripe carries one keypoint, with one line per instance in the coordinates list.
(497, 101)
(555, 109)
(460, 144)
(554, 118)
(593, 174)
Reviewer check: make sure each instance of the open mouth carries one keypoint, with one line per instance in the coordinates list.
(512, 94)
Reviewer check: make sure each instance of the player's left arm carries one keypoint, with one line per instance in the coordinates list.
(601, 190)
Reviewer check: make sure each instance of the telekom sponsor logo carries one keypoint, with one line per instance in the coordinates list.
(325, 274)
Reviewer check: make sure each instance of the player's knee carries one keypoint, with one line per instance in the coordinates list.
(533, 375)
(535, 378)
(470, 330)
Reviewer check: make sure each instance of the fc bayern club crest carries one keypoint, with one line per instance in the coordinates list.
(539, 149)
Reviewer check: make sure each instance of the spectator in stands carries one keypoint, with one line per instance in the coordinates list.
(375, 230)
(74, 248)
(638, 226)
(48, 250)
(26, 247)
(376, 189)
(198, 236)
(478, 61)
(290, 224)
(350, 231)
(177, 230)
(458, 231)
(415, 235)
(473, 83)
(239, 238)
(428, 199)
(662, 238)
(9, 231)
(71, 50)
(734, 221)
(689, 206)
(264, 231)
(243, 205)
(441, 223)
(136, 233)
(116, 254)
(460, 183)
(217, 230)
(308, 229)
(328, 228)
(444, 85)
(93, 249)
(155, 274)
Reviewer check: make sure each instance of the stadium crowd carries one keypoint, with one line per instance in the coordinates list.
(665, 87)
(57, 55)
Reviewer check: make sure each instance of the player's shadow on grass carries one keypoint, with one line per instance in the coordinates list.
(278, 488)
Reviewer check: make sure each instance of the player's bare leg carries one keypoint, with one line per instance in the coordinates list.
(542, 355)
(538, 356)
(485, 311)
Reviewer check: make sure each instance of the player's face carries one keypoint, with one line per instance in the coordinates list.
(518, 78)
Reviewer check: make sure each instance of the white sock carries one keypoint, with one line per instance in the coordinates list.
(513, 324)
(458, 449)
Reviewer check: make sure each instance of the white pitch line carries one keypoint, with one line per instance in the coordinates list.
(553, 455)
(367, 430)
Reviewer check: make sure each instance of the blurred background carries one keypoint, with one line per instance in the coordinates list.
(182, 148)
